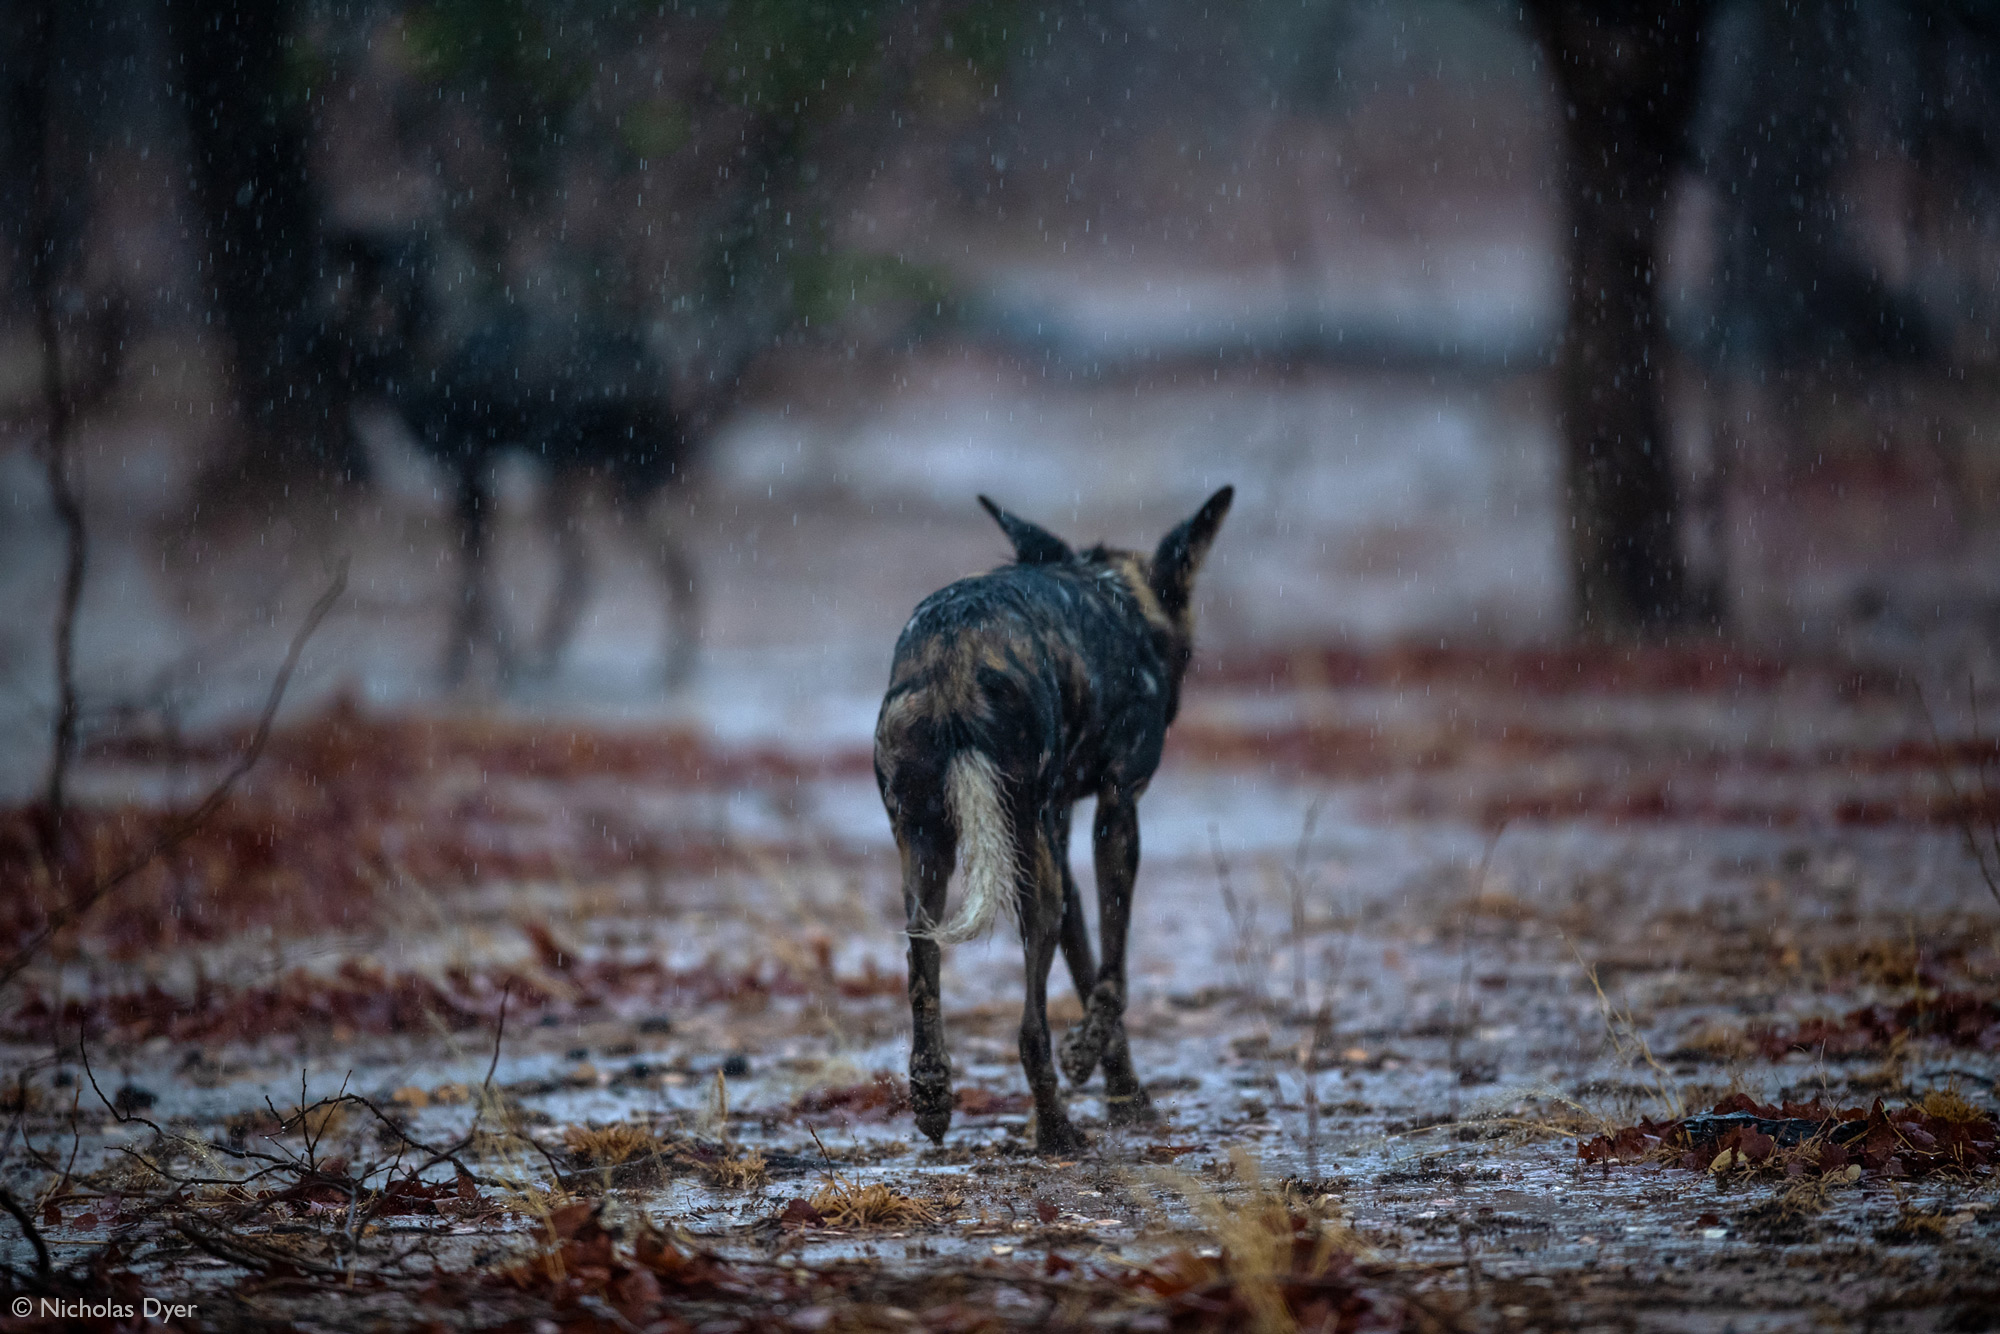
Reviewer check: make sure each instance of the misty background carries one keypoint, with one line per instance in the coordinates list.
(1396, 270)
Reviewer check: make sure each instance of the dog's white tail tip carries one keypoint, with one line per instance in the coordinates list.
(985, 849)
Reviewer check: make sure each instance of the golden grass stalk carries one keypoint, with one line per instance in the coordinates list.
(1258, 1228)
(843, 1204)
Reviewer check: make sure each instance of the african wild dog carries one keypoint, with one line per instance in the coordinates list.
(585, 398)
(1013, 696)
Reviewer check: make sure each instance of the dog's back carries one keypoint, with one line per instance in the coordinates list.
(1053, 672)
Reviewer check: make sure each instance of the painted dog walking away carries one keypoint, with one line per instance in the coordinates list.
(1014, 695)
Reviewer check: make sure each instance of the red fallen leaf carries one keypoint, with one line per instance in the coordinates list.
(975, 1101)
(468, 1189)
(1056, 1264)
(800, 1213)
(1752, 1143)
(88, 1222)
(1959, 1018)
(883, 1096)
(684, 1270)
(1630, 1145)
(1814, 1138)
(636, 1293)
(52, 1214)
(565, 1223)
(1708, 1220)
(1046, 1211)
(1174, 1274)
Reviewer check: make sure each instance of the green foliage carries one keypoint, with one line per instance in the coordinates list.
(505, 47)
(792, 58)
(825, 288)
(656, 128)
(307, 69)
(527, 61)
(985, 34)
(529, 70)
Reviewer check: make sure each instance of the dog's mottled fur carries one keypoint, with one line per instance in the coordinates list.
(1014, 695)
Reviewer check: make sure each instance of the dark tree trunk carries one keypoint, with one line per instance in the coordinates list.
(1626, 75)
(249, 138)
(46, 241)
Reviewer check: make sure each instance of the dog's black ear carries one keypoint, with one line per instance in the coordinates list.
(1033, 544)
(1181, 552)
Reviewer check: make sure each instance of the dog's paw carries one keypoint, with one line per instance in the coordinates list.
(931, 1100)
(1055, 1137)
(1082, 1047)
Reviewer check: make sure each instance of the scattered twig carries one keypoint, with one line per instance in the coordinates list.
(301, 1172)
(180, 830)
(246, 1252)
(1623, 1030)
(1312, 1110)
(1460, 1000)
(499, 1035)
(28, 1229)
(1242, 925)
(1986, 853)
(1298, 882)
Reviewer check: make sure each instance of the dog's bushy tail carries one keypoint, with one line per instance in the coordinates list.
(985, 847)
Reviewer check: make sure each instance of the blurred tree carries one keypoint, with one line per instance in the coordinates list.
(1853, 170)
(1793, 95)
(45, 238)
(751, 148)
(807, 86)
(249, 133)
(1626, 74)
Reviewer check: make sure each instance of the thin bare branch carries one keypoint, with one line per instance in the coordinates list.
(28, 1229)
(1986, 858)
(183, 828)
(242, 1251)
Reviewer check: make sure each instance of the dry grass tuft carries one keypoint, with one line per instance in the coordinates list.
(843, 1204)
(1272, 1236)
(740, 1172)
(634, 1155)
(1722, 1043)
(1948, 1104)
(1915, 1227)
(608, 1146)
(1787, 1216)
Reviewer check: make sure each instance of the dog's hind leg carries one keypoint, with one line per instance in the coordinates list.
(474, 619)
(561, 515)
(1115, 849)
(679, 578)
(1078, 1055)
(1041, 926)
(927, 860)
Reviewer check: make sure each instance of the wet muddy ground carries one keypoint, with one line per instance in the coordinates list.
(1411, 929)
(581, 1006)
